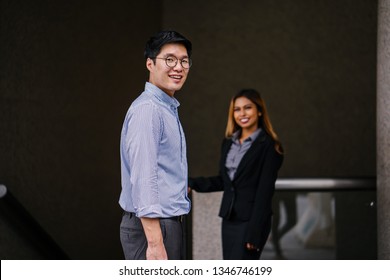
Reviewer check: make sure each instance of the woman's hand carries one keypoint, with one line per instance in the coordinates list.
(251, 247)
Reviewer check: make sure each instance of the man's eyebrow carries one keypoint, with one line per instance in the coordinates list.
(171, 54)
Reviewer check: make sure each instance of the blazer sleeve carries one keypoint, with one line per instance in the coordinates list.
(206, 184)
(258, 229)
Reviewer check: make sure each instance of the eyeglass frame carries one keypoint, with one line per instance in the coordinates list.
(177, 59)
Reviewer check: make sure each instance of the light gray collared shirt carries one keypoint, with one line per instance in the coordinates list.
(238, 150)
(153, 157)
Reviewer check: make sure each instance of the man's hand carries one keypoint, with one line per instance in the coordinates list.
(156, 252)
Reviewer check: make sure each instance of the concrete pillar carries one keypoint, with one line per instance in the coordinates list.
(383, 129)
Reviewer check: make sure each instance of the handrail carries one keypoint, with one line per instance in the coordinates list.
(3, 191)
(21, 219)
(325, 184)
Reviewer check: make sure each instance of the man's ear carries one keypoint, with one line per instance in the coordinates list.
(149, 64)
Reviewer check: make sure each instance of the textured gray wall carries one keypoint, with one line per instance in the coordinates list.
(314, 63)
(69, 70)
(383, 129)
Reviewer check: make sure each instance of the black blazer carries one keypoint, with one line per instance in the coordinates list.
(249, 196)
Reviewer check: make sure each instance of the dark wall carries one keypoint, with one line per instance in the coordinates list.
(69, 70)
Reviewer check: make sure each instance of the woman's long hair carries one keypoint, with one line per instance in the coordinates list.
(264, 120)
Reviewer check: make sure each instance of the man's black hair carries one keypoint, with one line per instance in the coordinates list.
(157, 41)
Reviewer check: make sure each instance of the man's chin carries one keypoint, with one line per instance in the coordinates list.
(176, 87)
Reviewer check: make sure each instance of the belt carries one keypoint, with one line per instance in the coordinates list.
(174, 218)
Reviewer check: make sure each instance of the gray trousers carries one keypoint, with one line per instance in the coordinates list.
(134, 243)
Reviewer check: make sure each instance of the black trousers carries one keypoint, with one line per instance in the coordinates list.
(134, 243)
(234, 243)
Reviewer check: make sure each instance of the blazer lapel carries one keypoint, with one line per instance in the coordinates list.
(224, 152)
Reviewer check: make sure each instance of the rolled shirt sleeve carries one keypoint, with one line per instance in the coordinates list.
(143, 139)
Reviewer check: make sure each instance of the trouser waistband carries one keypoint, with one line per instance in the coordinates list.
(174, 218)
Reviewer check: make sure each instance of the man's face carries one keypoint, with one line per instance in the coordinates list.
(168, 79)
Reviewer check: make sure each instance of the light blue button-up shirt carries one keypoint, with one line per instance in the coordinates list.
(153, 157)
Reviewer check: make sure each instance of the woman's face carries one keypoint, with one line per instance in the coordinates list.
(245, 114)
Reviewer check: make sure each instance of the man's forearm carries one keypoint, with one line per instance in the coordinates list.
(156, 249)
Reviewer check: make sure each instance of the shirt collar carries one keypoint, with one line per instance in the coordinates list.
(161, 95)
(252, 137)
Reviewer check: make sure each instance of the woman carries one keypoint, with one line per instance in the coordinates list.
(251, 156)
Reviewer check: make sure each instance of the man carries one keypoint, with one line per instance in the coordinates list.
(153, 156)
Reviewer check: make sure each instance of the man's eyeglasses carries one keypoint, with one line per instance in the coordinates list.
(171, 61)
